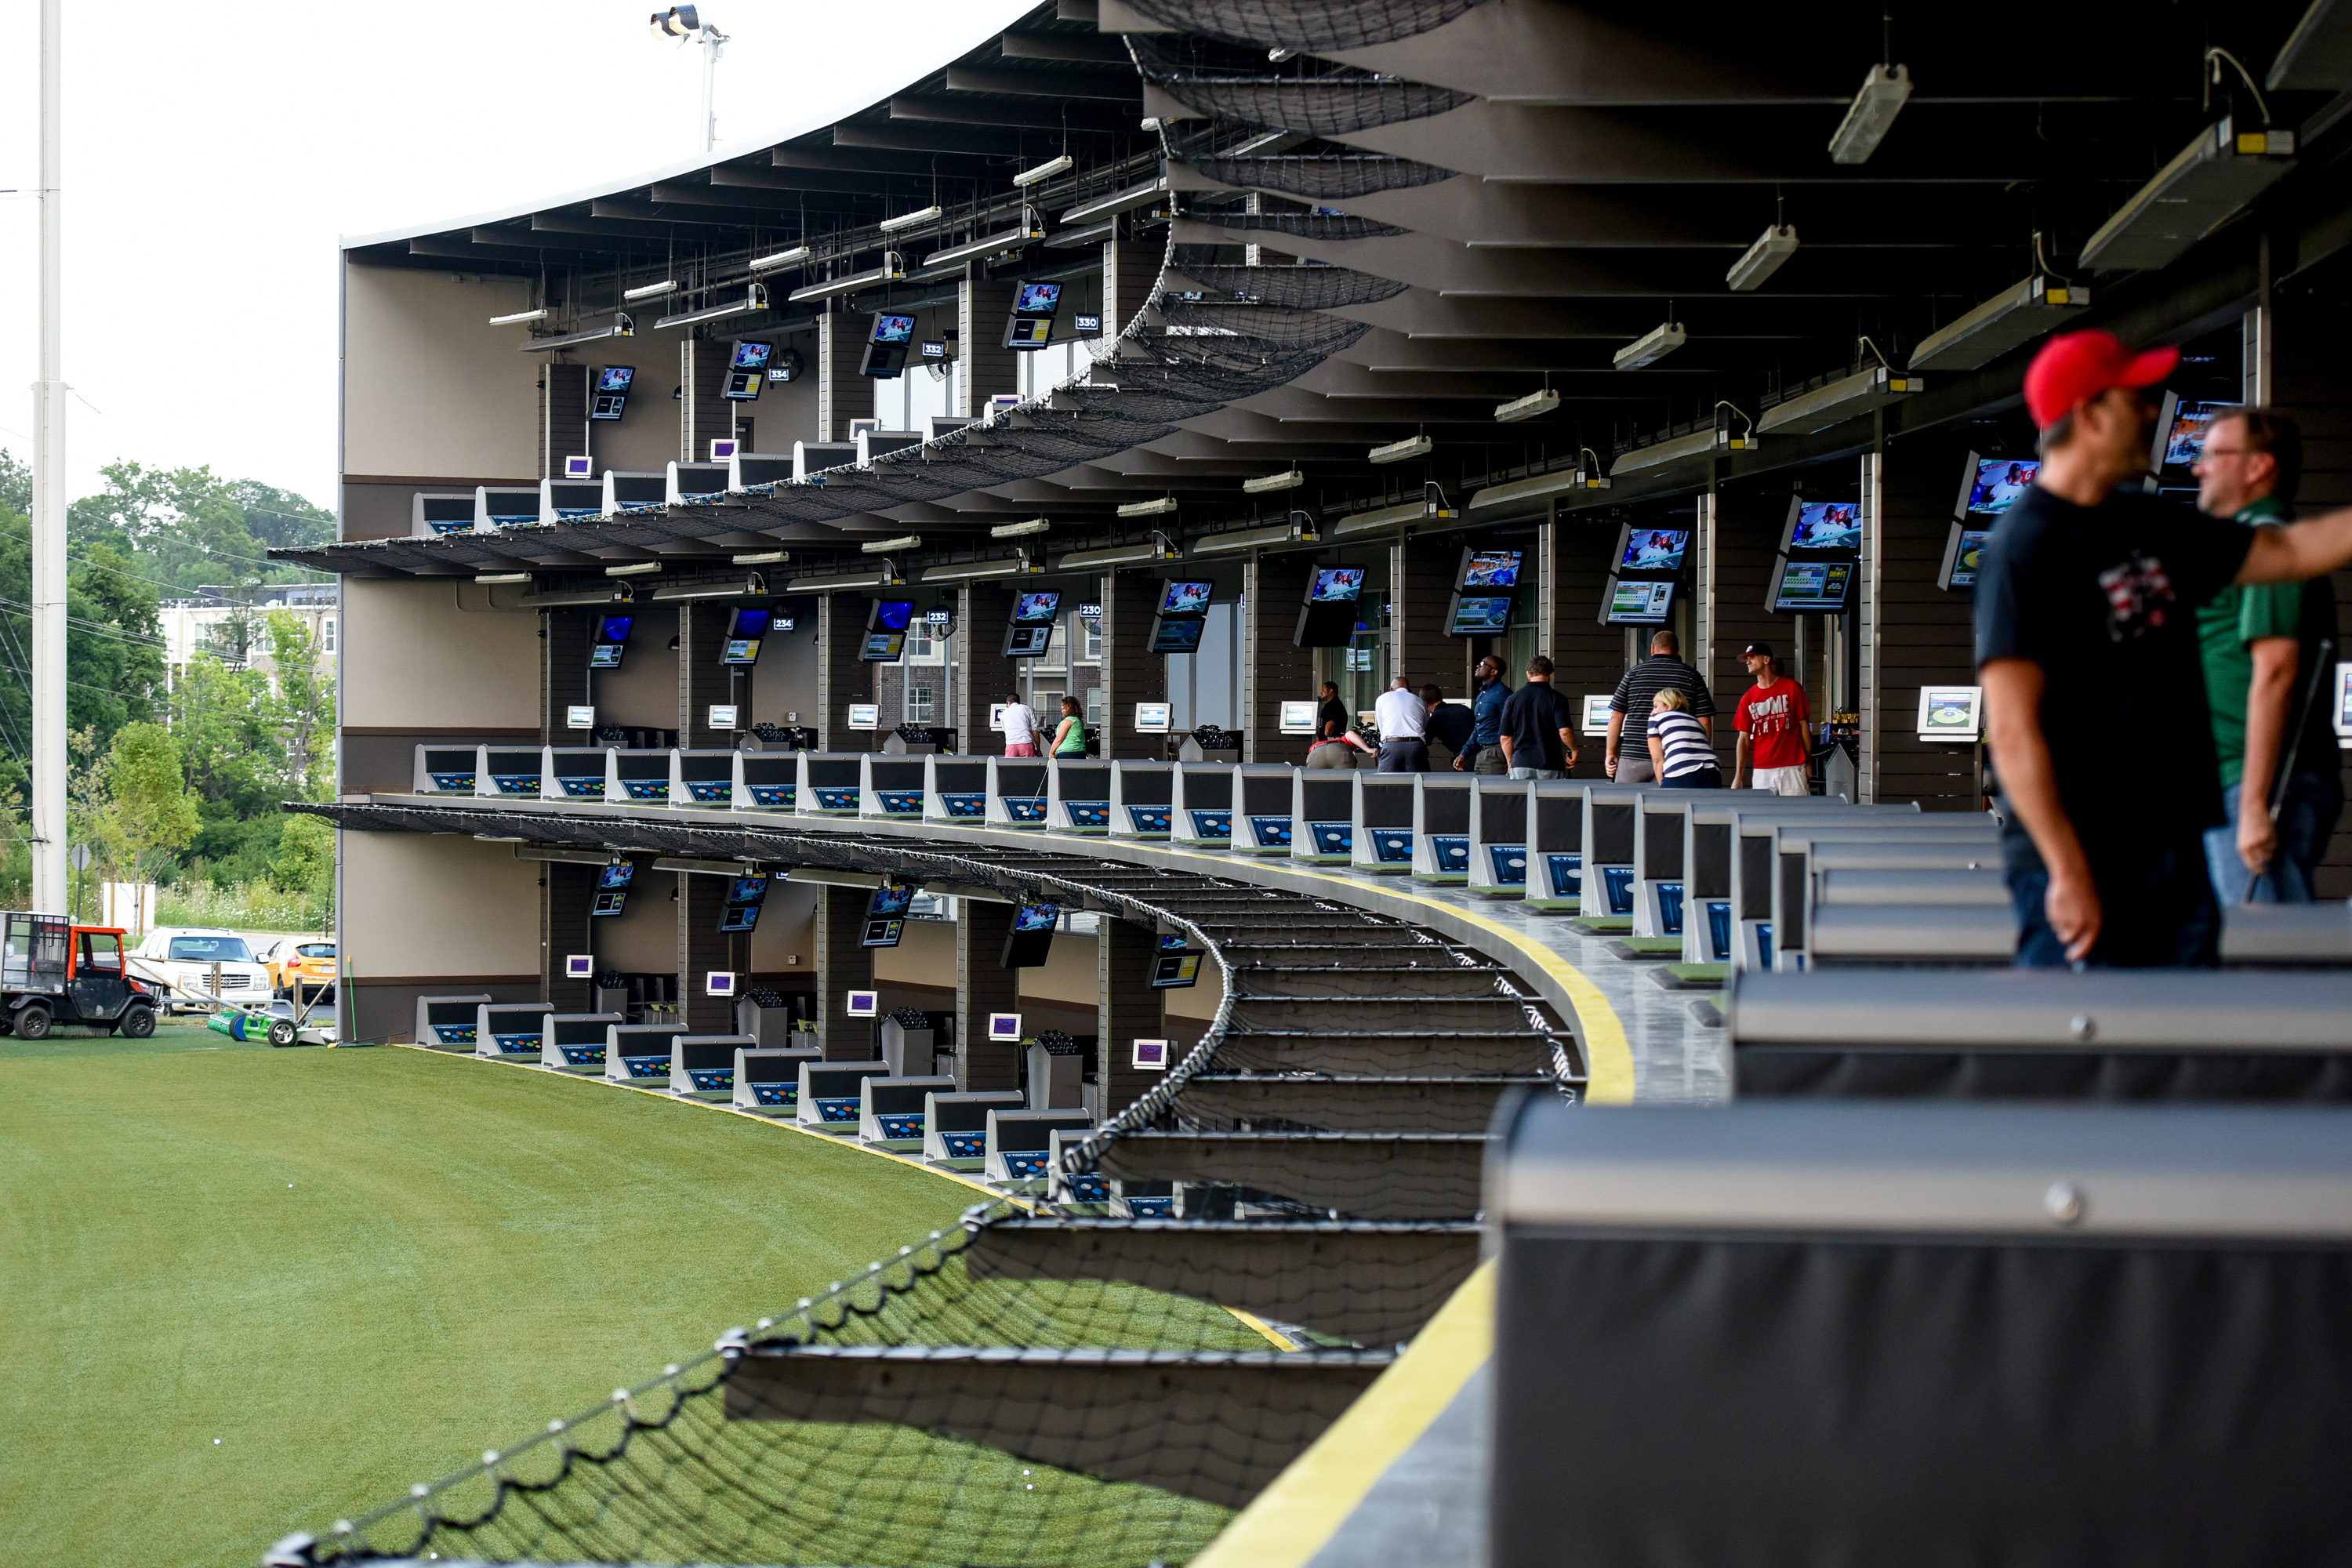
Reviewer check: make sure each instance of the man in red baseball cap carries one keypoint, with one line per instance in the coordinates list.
(2087, 642)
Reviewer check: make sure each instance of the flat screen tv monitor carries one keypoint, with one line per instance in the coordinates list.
(1152, 718)
(1478, 615)
(2184, 442)
(1639, 604)
(1036, 609)
(882, 648)
(883, 932)
(1181, 598)
(615, 378)
(1335, 586)
(616, 877)
(1963, 553)
(1177, 637)
(889, 615)
(612, 642)
(1028, 642)
(1175, 971)
(1171, 942)
(1489, 571)
(1822, 525)
(1658, 550)
(750, 355)
(1035, 917)
(615, 628)
(747, 889)
(743, 634)
(739, 917)
(889, 328)
(892, 899)
(606, 656)
(1990, 486)
(1819, 587)
(1037, 299)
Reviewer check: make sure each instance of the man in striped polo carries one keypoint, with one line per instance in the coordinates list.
(1629, 709)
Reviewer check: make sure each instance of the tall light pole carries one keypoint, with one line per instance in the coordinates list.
(50, 888)
(684, 23)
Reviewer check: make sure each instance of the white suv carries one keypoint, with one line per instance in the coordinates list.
(183, 958)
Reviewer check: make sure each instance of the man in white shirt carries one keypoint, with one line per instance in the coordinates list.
(1404, 720)
(1020, 728)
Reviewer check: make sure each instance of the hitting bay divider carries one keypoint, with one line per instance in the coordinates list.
(1184, 1296)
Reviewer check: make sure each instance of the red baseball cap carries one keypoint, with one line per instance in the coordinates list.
(2075, 367)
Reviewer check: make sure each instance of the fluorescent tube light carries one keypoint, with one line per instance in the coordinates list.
(1540, 488)
(1147, 508)
(760, 558)
(2210, 182)
(1884, 93)
(891, 270)
(1527, 408)
(667, 286)
(1009, 239)
(836, 583)
(1839, 401)
(2014, 316)
(1046, 171)
(1015, 529)
(621, 327)
(755, 299)
(1119, 555)
(1245, 539)
(909, 220)
(798, 253)
(892, 546)
(1116, 201)
(1397, 451)
(635, 569)
(1019, 566)
(1288, 479)
(1680, 449)
(1651, 346)
(1763, 258)
(519, 318)
(489, 579)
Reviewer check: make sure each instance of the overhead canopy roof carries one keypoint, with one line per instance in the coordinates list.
(1384, 217)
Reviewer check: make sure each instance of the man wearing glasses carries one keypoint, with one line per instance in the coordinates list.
(2261, 647)
(2087, 642)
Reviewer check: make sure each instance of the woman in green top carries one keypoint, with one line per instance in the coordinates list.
(1070, 739)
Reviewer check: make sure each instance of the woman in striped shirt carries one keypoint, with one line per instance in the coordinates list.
(1678, 746)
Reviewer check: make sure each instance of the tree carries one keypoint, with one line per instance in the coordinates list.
(148, 807)
(304, 707)
(305, 862)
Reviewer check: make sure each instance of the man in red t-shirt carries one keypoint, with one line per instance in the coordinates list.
(1773, 722)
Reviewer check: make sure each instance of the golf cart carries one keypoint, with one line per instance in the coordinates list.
(54, 972)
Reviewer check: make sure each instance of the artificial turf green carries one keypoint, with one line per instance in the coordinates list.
(248, 1291)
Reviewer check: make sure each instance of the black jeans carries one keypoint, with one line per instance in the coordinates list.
(2156, 902)
(1403, 757)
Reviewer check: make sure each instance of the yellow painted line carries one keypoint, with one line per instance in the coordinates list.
(1609, 1054)
(1292, 1520)
(1260, 1324)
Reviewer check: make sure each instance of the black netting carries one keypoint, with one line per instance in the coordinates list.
(1328, 173)
(1307, 225)
(1305, 24)
(1323, 101)
(1304, 288)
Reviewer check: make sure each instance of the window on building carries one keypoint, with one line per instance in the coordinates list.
(1094, 709)
(919, 643)
(326, 633)
(1090, 640)
(920, 705)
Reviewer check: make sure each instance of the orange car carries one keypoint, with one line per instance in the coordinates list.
(306, 959)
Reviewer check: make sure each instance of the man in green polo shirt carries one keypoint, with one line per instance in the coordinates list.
(2260, 645)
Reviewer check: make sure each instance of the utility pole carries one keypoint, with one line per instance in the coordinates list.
(714, 42)
(51, 889)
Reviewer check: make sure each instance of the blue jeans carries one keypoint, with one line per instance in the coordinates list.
(2306, 820)
(2157, 908)
(1706, 778)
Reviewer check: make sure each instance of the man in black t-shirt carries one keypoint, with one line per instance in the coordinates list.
(1332, 717)
(2094, 699)
(1538, 728)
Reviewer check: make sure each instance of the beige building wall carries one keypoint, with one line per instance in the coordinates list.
(429, 387)
(440, 906)
(439, 656)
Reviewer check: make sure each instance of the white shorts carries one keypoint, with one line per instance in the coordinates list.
(1780, 781)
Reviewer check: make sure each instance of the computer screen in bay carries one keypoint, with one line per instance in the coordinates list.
(1640, 604)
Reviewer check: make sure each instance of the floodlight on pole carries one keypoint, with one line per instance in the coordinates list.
(685, 25)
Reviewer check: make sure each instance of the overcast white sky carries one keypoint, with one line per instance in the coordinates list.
(213, 156)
